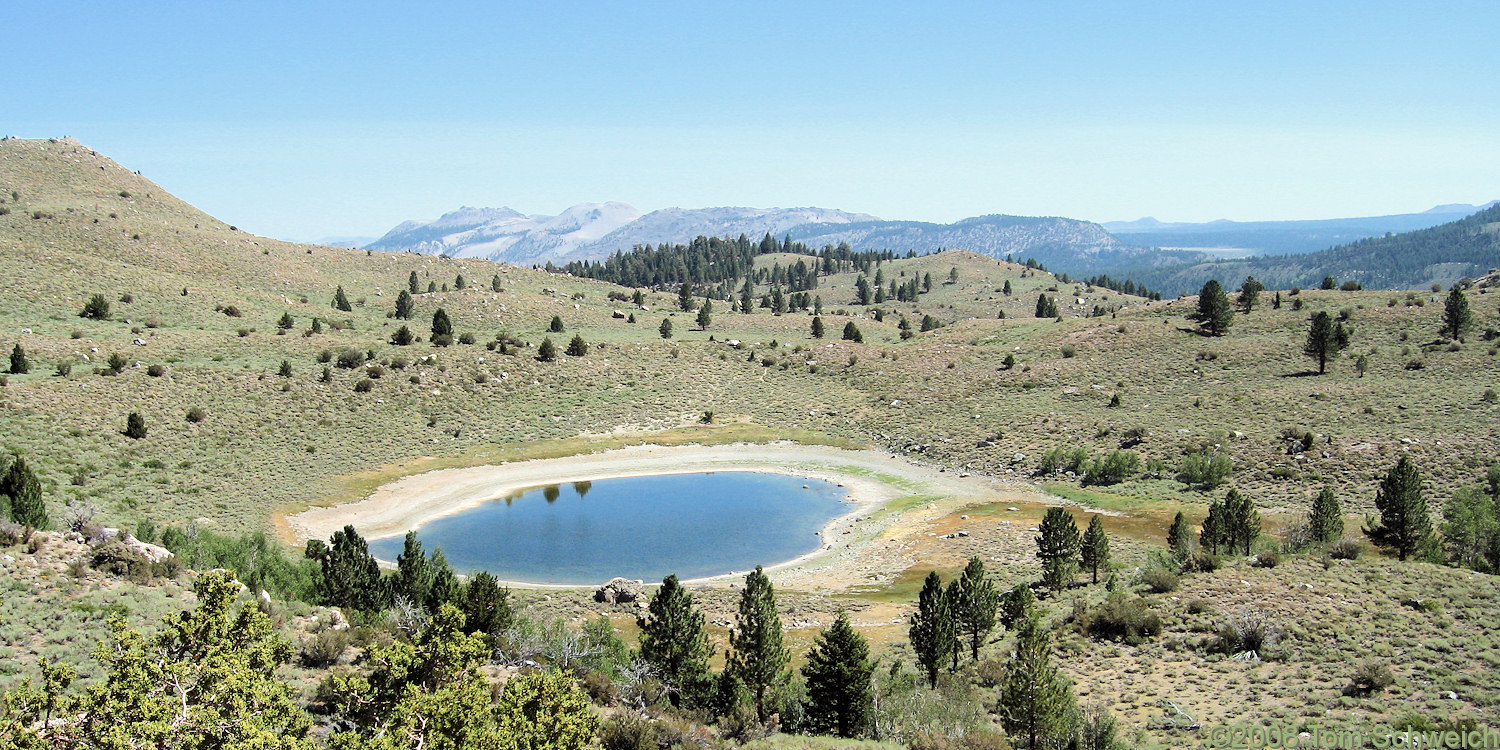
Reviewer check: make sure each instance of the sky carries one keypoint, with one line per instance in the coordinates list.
(315, 120)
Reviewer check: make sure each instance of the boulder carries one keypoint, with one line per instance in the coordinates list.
(618, 591)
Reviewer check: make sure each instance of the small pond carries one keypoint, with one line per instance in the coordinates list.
(693, 525)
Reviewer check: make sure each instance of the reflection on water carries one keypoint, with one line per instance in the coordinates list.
(693, 525)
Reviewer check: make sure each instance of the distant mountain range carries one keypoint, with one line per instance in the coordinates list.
(1244, 238)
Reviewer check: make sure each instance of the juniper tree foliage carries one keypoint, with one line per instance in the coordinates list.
(1404, 524)
(349, 576)
(24, 492)
(1036, 706)
(758, 658)
(1325, 519)
(1242, 520)
(1214, 312)
(1057, 544)
(673, 640)
(976, 605)
(1457, 319)
(1180, 537)
(840, 694)
(933, 630)
(207, 679)
(341, 301)
(1095, 547)
(18, 363)
(404, 305)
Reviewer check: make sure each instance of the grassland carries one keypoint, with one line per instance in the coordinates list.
(78, 224)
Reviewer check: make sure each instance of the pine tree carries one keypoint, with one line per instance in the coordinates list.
(135, 426)
(1324, 340)
(413, 578)
(97, 308)
(340, 301)
(404, 305)
(402, 337)
(927, 282)
(747, 297)
(1404, 524)
(905, 328)
(1179, 537)
(286, 369)
(933, 630)
(862, 291)
(1214, 312)
(840, 693)
(495, 283)
(1457, 320)
(1215, 528)
(547, 351)
(556, 326)
(975, 607)
(1057, 547)
(412, 285)
(817, 327)
(1095, 547)
(459, 283)
(18, 363)
(758, 659)
(705, 315)
(1325, 519)
(851, 333)
(1007, 290)
(441, 326)
(665, 329)
(1016, 605)
(24, 490)
(446, 588)
(685, 297)
(1249, 294)
(486, 605)
(1243, 520)
(287, 322)
(348, 575)
(1036, 707)
(577, 347)
(673, 640)
(1471, 528)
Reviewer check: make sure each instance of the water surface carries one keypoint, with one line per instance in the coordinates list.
(693, 525)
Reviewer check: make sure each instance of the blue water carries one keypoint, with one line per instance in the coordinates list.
(693, 525)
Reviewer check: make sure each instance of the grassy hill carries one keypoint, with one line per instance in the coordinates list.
(205, 299)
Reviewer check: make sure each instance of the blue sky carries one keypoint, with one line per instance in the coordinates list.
(306, 120)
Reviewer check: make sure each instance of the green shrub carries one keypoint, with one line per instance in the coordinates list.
(1122, 617)
(1159, 580)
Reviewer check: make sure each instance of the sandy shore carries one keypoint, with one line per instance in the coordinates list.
(872, 479)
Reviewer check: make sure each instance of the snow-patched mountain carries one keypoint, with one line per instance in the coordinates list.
(507, 235)
(674, 225)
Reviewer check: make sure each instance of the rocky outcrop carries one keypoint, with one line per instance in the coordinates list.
(618, 591)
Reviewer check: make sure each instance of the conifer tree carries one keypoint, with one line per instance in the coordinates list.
(933, 630)
(685, 297)
(1457, 319)
(1249, 294)
(495, 283)
(758, 658)
(1095, 548)
(1243, 521)
(665, 329)
(459, 283)
(413, 578)
(1214, 312)
(24, 490)
(285, 370)
(1179, 537)
(446, 588)
(976, 605)
(577, 347)
(412, 285)
(817, 327)
(1325, 519)
(402, 337)
(1215, 528)
(862, 291)
(851, 333)
(547, 351)
(18, 363)
(747, 297)
(1016, 605)
(97, 308)
(1057, 547)
(840, 694)
(556, 326)
(1324, 339)
(927, 282)
(1404, 524)
(340, 301)
(404, 305)
(1007, 290)
(349, 575)
(1036, 707)
(705, 315)
(673, 640)
(441, 326)
(432, 287)
(486, 605)
(905, 328)
(135, 426)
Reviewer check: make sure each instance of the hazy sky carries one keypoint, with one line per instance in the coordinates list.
(306, 120)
